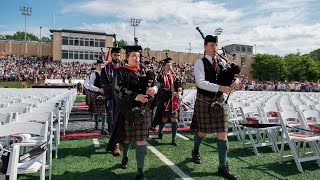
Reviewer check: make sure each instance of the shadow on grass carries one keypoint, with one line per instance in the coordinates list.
(110, 174)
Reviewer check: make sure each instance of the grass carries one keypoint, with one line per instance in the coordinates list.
(14, 84)
(79, 159)
(80, 98)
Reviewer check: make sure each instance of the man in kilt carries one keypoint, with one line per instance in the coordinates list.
(168, 100)
(206, 72)
(87, 92)
(132, 116)
(97, 97)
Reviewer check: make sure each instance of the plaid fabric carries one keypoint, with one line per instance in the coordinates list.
(97, 108)
(137, 132)
(203, 121)
(166, 115)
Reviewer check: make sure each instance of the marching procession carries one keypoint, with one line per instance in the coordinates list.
(134, 97)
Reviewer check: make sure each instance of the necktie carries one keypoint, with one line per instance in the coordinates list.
(215, 64)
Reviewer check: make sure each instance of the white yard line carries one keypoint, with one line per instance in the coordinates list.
(182, 137)
(95, 142)
(169, 163)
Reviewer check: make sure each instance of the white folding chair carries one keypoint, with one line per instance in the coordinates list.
(294, 139)
(34, 165)
(42, 118)
(253, 115)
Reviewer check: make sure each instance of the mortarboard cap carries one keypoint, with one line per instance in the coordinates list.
(99, 61)
(210, 38)
(167, 60)
(115, 50)
(147, 62)
(132, 48)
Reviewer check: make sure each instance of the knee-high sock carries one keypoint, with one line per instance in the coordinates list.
(96, 119)
(109, 120)
(222, 150)
(141, 151)
(125, 149)
(197, 142)
(161, 125)
(103, 119)
(174, 127)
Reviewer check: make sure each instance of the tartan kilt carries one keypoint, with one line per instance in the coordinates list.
(166, 115)
(95, 106)
(137, 132)
(203, 121)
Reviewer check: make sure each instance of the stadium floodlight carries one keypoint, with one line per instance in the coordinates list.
(218, 31)
(134, 23)
(25, 11)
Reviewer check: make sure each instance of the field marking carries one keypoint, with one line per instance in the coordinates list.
(169, 163)
(183, 137)
(95, 142)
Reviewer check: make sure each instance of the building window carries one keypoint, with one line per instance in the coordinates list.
(81, 54)
(64, 40)
(102, 43)
(64, 54)
(249, 49)
(237, 48)
(86, 42)
(91, 56)
(76, 41)
(243, 49)
(71, 41)
(70, 54)
(86, 55)
(96, 43)
(76, 55)
(91, 42)
(81, 42)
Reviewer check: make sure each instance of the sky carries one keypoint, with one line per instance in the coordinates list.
(271, 26)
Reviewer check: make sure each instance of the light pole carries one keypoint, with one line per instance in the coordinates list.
(134, 23)
(189, 47)
(25, 11)
(40, 34)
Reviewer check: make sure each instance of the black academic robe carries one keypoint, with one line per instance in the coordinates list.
(163, 96)
(126, 86)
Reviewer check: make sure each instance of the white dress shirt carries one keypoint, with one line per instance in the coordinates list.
(199, 75)
(90, 83)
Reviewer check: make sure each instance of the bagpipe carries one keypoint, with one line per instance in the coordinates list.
(229, 70)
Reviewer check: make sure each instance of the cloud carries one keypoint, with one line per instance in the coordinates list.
(275, 26)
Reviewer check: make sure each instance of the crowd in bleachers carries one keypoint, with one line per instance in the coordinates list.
(292, 86)
(37, 69)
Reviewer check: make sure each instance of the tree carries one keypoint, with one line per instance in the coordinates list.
(20, 35)
(46, 39)
(269, 68)
(122, 43)
(315, 54)
(301, 68)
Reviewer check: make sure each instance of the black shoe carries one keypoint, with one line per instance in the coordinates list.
(196, 157)
(174, 142)
(124, 162)
(140, 175)
(226, 173)
(160, 135)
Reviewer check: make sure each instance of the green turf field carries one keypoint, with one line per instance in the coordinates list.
(79, 159)
(15, 84)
